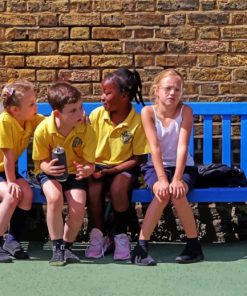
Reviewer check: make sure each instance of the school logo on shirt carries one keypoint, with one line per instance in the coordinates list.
(76, 142)
(126, 137)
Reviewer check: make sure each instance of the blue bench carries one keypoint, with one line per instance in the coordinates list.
(206, 111)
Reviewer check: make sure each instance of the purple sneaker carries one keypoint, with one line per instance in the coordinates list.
(98, 244)
(122, 247)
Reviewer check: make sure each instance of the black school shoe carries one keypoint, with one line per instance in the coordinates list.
(70, 257)
(140, 257)
(192, 253)
(14, 248)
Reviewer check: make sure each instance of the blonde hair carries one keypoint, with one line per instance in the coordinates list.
(14, 92)
(160, 76)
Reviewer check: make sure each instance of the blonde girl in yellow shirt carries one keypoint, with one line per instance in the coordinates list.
(121, 145)
(17, 124)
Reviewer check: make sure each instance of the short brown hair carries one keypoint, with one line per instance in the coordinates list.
(62, 93)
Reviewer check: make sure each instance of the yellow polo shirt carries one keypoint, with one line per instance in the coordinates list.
(14, 136)
(79, 144)
(118, 143)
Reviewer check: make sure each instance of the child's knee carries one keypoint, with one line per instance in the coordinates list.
(27, 199)
(119, 191)
(161, 201)
(56, 202)
(10, 201)
(179, 201)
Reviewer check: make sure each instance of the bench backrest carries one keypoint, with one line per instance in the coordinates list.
(207, 111)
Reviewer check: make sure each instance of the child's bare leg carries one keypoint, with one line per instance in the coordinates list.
(140, 254)
(192, 251)
(76, 199)
(185, 215)
(7, 207)
(120, 187)
(19, 217)
(17, 214)
(95, 190)
(152, 216)
(54, 196)
(27, 195)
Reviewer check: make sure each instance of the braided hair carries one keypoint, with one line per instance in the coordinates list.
(129, 82)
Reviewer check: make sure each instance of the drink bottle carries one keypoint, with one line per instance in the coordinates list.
(60, 154)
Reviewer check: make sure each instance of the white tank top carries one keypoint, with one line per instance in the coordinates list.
(168, 139)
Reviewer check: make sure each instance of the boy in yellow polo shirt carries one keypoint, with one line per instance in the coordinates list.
(121, 146)
(64, 128)
(17, 124)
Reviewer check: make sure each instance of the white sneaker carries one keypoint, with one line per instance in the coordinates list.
(122, 247)
(98, 245)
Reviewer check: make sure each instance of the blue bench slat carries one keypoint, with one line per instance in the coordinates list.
(213, 194)
(243, 144)
(191, 143)
(218, 108)
(208, 140)
(218, 194)
(226, 139)
(22, 163)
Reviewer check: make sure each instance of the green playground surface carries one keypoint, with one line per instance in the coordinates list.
(223, 273)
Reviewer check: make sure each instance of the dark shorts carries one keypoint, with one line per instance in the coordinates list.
(4, 179)
(71, 182)
(150, 177)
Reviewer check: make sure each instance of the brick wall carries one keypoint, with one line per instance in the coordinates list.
(82, 40)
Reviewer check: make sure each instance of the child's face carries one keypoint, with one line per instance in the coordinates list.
(111, 96)
(72, 114)
(169, 90)
(28, 108)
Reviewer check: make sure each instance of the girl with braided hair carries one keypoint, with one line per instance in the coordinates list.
(121, 147)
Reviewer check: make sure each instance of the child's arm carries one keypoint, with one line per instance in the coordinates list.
(147, 116)
(124, 166)
(9, 167)
(177, 184)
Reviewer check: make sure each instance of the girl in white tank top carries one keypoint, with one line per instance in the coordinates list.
(168, 139)
(170, 173)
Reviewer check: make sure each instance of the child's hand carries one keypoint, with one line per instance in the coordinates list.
(161, 189)
(53, 170)
(83, 171)
(15, 190)
(177, 189)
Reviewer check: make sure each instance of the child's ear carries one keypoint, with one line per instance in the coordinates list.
(13, 109)
(125, 96)
(56, 113)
